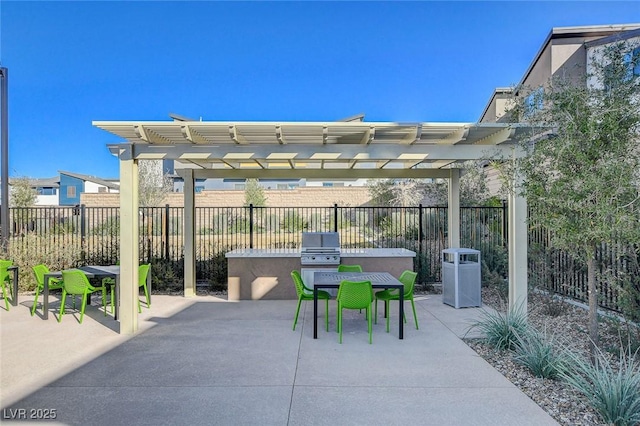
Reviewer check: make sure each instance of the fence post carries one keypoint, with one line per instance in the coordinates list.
(335, 217)
(83, 236)
(505, 224)
(250, 225)
(420, 240)
(165, 232)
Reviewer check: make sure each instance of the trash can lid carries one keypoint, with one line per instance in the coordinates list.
(461, 251)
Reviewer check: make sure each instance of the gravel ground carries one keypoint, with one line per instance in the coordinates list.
(565, 322)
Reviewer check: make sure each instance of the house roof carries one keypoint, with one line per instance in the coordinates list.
(614, 38)
(497, 91)
(311, 149)
(89, 178)
(578, 31)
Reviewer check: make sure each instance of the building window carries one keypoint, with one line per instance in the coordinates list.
(534, 102)
(46, 191)
(199, 188)
(102, 189)
(71, 192)
(632, 60)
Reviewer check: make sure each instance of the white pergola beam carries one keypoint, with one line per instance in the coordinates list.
(453, 214)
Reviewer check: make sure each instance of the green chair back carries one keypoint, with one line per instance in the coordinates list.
(54, 283)
(143, 271)
(75, 282)
(301, 289)
(355, 294)
(408, 279)
(4, 280)
(305, 293)
(40, 271)
(349, 268)
(4, 264)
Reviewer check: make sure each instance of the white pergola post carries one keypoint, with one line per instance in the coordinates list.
(518, 234)
(129, 247)
(453, 217)
(189, 234)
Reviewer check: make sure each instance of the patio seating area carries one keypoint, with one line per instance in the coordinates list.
(206, 360)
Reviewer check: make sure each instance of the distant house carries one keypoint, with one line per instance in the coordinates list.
(74, 184)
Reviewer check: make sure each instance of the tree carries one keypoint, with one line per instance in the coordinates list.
(153, 185)
(22, 193)
(581, 174)
(254, 194)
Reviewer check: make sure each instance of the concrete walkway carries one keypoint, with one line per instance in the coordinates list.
(208, 361)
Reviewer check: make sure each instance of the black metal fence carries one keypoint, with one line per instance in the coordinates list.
(72, 236)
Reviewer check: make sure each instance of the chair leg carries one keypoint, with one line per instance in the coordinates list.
(295, 319)
(340, 323)
(326, 314)
(415, 317)
(61, 313)
(369, 324)
(35, 301)
(375, 312)
(386, 309)
(146, 295)
(4, 294)
(82, 307)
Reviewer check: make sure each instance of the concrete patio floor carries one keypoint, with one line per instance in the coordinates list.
(208, 361)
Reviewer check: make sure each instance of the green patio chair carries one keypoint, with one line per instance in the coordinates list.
(408, 279)
(5, 281)
(355, 295)
(349, 268)
(143, 272)
(54, 284)
(305, 293)
(76, 283)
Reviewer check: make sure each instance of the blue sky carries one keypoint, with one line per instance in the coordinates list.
(74, 62)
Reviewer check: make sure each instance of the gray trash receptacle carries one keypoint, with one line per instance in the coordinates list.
(461, 280)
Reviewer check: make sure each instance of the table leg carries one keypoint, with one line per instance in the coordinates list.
(401, 311)
(116, 301)
(14, 299)
(315, 312)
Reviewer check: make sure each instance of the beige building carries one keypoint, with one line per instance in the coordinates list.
(564, 53)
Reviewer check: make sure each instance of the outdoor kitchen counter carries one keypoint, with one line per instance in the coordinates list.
(254, 274)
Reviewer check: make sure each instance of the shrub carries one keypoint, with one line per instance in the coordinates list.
(35, 249)
(293, 222)
(537, 352)
(501, 330)
(613, 391)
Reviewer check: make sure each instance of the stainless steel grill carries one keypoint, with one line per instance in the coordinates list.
(320, 248)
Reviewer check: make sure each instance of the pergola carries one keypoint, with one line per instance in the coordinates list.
(321, 150)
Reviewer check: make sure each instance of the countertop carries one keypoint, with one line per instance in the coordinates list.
(347, 252)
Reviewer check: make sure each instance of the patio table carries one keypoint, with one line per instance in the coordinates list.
(332, 279)
(91, 271)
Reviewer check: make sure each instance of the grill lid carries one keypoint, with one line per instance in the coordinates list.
(320, 242)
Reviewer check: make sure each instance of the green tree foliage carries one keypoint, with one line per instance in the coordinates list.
(582, 169)
(22, 194)
(254, 194)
